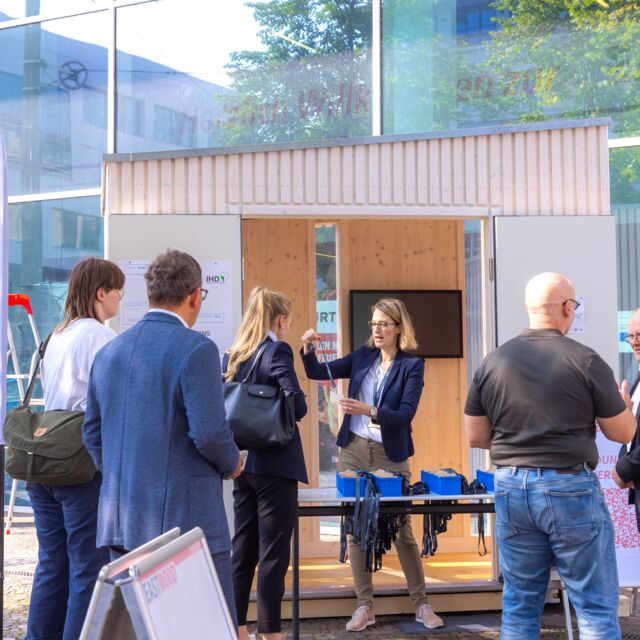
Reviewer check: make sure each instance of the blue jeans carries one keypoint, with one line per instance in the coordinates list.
(68, 561)
(541, 517)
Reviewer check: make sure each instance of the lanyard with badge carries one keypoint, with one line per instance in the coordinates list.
(378, 387)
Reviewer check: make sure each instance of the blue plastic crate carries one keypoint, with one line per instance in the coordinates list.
(389, 487)
(486, 477)
(442, 485)
(346, 487)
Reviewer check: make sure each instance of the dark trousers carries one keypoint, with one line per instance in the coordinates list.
(68, 561)
(265, 510)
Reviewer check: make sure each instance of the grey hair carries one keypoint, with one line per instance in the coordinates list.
(171, 277)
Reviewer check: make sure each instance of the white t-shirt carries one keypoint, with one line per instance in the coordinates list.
(67, 363)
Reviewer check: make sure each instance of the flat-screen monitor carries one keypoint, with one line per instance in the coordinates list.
(436, 315)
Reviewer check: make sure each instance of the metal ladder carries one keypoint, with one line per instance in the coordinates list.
(20, 300)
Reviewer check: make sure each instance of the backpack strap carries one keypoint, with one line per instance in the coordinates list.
(32, 380)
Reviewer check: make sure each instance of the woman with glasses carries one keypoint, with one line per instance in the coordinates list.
(385, 385)
(265, 495)
(66, 516)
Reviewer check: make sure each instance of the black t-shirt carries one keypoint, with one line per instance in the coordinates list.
(542, 392)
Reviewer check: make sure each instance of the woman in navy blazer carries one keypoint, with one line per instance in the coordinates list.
(385, 385)
(265, 496)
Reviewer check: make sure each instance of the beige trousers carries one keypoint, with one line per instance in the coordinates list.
(367, 455)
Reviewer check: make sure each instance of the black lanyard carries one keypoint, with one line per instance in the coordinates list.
(377, 388)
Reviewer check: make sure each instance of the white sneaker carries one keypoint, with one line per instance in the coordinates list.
(428, 617)
(361, 619)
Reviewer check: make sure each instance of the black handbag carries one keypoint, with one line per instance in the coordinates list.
(261, 416)
(46, 446)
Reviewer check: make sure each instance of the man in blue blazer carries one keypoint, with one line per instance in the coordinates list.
(156, 426)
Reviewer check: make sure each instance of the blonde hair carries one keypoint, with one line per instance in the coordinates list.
(263, 309)
(398, 313)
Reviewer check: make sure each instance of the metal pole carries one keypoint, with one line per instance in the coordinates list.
(295, 587)
(2, 548)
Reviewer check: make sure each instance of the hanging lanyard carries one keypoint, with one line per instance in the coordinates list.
(377, 388)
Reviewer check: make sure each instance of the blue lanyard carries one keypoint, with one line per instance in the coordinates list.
(377, 388)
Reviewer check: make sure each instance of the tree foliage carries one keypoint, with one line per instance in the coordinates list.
(559, 59)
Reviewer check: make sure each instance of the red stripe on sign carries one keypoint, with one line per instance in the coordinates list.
(179, 557)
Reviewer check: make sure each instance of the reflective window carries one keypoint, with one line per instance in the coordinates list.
(262, 74)
(46, 240)
(53, 79)
(452, 64)
(327, 326)
(624, 168)
(13, 9)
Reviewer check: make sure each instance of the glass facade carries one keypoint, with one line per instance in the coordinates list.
(193, 74)
(624, 166)
(266, 75)
(52, 92)
(452, 64)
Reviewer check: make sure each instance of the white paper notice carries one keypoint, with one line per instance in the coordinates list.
(578, 318)
(216, 315)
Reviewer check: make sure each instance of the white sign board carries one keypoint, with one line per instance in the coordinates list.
(215, 320)
(179, 594)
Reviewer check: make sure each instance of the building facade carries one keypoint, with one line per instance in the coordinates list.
(82, 78)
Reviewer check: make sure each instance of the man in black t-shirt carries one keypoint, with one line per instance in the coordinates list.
(534, 402)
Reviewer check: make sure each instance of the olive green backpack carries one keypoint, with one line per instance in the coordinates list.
(46, 446)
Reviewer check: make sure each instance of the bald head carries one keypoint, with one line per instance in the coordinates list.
(544, 297)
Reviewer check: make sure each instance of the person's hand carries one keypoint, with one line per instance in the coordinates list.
(355, 407)
(624, 393)
(239, 468)
(621, 483)
(309, 337)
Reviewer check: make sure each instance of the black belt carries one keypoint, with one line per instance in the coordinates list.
(571, 470)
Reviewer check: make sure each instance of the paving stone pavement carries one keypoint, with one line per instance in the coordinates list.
(20, 561)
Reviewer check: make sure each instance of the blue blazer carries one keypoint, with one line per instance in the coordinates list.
(400, 395)
(157, 430)
(276, 369)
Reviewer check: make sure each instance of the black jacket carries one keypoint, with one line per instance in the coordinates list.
(276, 368)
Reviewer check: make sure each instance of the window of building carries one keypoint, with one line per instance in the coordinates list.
(130, 118)
(624, 167)
(94, 108)
(453, 64)
(44, 70)
(258, 75)
(173, 127)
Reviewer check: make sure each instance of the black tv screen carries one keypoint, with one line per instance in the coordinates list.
(436, 315)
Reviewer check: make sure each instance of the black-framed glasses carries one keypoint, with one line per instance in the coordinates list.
(204, 292)
(575, 303)
(630, 337)
(383, 324)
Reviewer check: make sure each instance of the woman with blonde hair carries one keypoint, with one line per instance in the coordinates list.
(265, 496)
(385, 385)
(66, 516)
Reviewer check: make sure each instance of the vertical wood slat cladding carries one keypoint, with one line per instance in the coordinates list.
(277, 254)
(548, 172)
